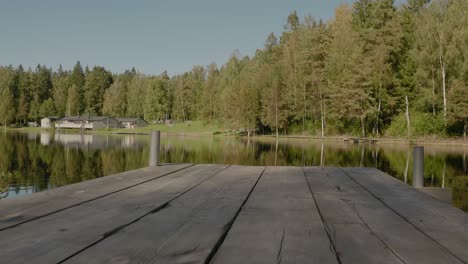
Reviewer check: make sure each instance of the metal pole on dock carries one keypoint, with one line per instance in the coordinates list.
(154, 148)
(418, 167)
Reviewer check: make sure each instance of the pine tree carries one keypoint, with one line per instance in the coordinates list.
(247, 114)
(457, 54)
(209, 96)
(180, 94)
(274, 112)
(408, 86)
(229, 86)
(376, 23)
(314, 54)
(290, 54)
(73, 101)
(77, 78)
(195, 81)
(47, 108)
(155, 107)
(345, 71)
(115, 99)
(97, 82)
(41, 89)
(24, 85)
(60, 82)
(7, 87)
(459, 104)
(136, 95)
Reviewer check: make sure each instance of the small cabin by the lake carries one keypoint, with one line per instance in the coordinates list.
(87, 122)
(47, 122)
(32, 124)
(132, 122)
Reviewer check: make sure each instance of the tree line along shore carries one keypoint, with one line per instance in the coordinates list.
(374, 70)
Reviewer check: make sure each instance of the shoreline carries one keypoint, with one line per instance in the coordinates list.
(458, 141)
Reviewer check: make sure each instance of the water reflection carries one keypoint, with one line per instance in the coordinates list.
(34, 162)
(86, 140)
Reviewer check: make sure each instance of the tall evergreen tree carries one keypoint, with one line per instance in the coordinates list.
(47, 108)
(60, 81)
(8, 84)
(209, 95)
(291, 60)
(346, 78)
(180, 94)
(156, 107)
(77, 79)
(136, 95)
(97, 82)
(115, 101)
(41, 89)
(274, 112)
(376, 23)
(24, 100)
(314, 53)
(73, 101)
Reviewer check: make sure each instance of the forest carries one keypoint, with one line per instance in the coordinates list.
(374, 69)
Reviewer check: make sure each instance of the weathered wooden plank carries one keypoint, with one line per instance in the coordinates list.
(446, 225)
(184, 217)
(329, 180)
(186, 231)
(279, 223)
(353, 240)
(352, 210)
(29, 207)
(355, 243)
(55, 237)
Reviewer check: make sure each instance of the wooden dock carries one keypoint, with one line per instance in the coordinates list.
(189, 213)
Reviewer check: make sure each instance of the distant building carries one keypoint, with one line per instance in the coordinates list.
(47, 122)
(32, 124)
(87, 122)
(132, 122)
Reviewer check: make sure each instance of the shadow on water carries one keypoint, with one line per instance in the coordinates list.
(39, 161)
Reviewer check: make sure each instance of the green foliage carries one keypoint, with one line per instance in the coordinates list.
(77, 79)
(73, 101)
(425, 124)
(115, 101)
(24, 97)
(97, 82)
(350, 75)
(136, 95)
(60, 82)
(47, 108)
(156, 106)
(209, 94)
(7, 99)
(195, 127)
(422, 124)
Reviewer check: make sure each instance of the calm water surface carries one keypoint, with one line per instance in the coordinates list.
(32, 162)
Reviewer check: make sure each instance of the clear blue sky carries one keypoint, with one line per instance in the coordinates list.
(151, 36)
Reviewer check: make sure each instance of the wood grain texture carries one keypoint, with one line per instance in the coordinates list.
(29, 207)
(186, 231)
(234, 214)
(279, 224)
(446, 225)
(58, 236)
(351, 209)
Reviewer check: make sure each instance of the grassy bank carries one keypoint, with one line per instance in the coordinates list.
(194, 127)
(199, 128)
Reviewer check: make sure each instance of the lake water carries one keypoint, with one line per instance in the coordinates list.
(32, 162)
